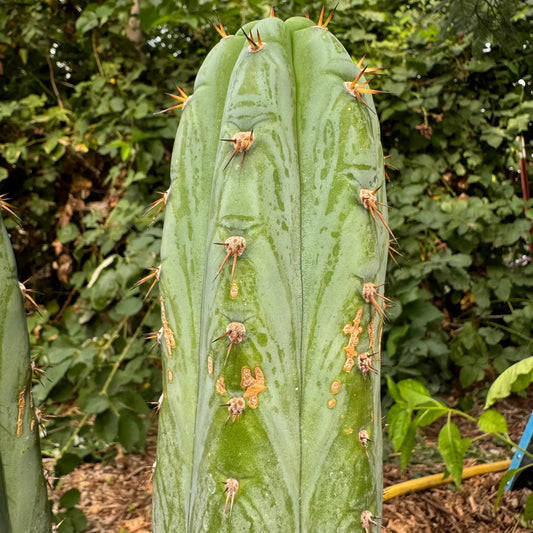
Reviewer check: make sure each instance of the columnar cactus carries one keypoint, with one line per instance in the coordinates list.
(22, 485)
(273, 256)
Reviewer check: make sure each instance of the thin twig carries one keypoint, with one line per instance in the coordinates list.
(96, 56)
(53, 81)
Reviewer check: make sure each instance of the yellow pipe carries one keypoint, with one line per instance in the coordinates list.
(435, 480)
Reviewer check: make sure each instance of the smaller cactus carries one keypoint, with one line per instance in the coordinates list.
(22, 483)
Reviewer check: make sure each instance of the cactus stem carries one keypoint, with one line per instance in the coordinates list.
(160, 203)
(182, 98)
(365, 439)
(324, 23)
(235, 333)
(253, 385)
(155, 272)
(8, 208)
(231, 486)
(236, 406)
(369, 201)
(368, 521)
(242, 141)
(220, 28)
(235, 246)
(255, 46)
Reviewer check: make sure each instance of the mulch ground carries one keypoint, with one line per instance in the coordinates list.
(116, 497)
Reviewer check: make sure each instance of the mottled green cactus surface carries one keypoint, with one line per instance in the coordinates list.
(23, 497)
(274, 253)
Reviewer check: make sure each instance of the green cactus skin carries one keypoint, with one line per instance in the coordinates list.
(22, 484)
(305, 455)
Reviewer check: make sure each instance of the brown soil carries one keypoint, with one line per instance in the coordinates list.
(116, 497)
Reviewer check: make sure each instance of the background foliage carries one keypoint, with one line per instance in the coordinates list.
(83, 154)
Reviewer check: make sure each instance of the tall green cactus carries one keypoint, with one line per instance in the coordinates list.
(275, 245)
(22, 485)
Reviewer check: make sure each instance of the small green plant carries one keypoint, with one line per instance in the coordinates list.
(414, 407)
(69, 518)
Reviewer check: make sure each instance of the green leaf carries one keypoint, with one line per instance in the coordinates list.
(67, 233)
(77, 519)
(414, 392)
(106, 426)
(93, 403)
(528, 508)
(452, 447)
(70, 498)
(129, 306)
(129, 430)
(408, 446)
(393, 390)
(428, 416)
(504, 384)
(492, 421)
(399, 420)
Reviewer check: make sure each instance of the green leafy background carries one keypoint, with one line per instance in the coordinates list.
(83, 154)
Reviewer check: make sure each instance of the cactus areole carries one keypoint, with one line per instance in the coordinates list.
(269, 250)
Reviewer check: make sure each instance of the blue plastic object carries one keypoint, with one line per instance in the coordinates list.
(523, 479)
